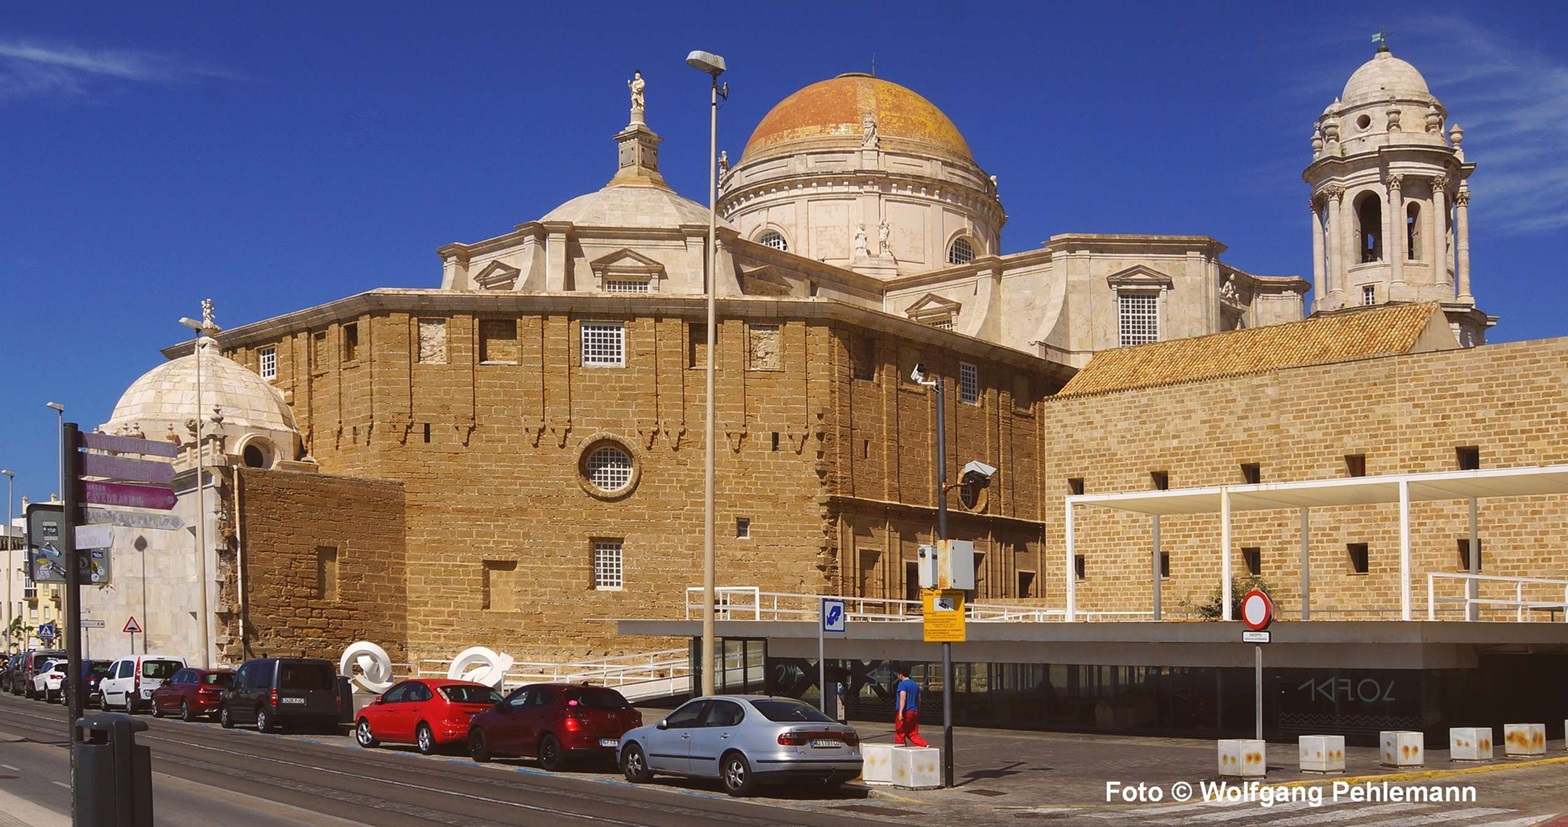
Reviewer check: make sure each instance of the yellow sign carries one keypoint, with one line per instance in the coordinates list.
(944, 615)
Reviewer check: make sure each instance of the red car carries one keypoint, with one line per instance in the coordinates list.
(427, 713)
(191, 693)
(553, 722)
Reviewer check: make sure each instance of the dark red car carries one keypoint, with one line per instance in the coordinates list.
(191, 693)
(428, 713)
(553, 722)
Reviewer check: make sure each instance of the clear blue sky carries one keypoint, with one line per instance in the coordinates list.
(274, 156)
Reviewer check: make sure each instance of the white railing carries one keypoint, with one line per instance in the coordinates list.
(751, 603)
(1518, 602)
(666, 666)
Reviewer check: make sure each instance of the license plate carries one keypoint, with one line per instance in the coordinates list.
(826, 743)
(609, 742)
(293, 700)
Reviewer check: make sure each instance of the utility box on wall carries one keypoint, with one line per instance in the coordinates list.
(948, 565)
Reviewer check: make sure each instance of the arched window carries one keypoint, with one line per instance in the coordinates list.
(774, 239)
(1369, 214)
(961, 252)
(1413, 232)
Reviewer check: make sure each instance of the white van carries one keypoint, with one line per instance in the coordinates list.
(131, 680)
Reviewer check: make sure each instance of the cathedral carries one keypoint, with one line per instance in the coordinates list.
(514, 458)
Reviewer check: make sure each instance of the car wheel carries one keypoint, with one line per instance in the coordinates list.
(424, 739)
(363, 735)
(735, 772)
(551, 755)
(186, 713)
(263, 720)
(157, 712)
(478, 747)
(225, 719)
(634, 763)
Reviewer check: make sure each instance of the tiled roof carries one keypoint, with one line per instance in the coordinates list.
(1384, 330)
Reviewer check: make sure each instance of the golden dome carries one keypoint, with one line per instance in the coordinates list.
(835, 110)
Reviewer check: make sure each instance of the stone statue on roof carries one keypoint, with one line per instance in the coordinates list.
(637, 84)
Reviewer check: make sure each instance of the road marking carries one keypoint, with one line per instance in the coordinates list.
(1241, 809)
(61, 784)
(1343, 814)
(9, 767)
(1434, 818)
(1164, 809)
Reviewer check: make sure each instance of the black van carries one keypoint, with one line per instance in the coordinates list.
(273, 693)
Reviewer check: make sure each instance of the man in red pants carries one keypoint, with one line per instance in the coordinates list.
(906, 711)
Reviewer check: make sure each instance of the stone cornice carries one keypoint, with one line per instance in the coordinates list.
(1146, 244)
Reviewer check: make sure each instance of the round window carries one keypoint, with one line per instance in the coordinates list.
(609, 468)
(1363, 122)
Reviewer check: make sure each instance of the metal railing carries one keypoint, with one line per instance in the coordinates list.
(1518, 602)
(751, 603)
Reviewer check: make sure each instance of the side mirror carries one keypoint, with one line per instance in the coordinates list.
(664, 724)
(378, 700)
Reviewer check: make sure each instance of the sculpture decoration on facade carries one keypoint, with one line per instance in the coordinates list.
(868, 125)
(860, 241)
(480, 664)
(206, 316)
(636, 85)
(724, 162)
(375, 668)
(1228, 291)
(883, 231)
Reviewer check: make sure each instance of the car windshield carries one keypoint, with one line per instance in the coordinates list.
(783, 710)
(597, 698)
(305, 676)
(217, 679)
(471, 694)
(160, 669)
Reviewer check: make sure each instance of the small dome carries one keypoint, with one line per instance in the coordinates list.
(833, 112)
(167, 395)
(621, 205)
(1382, 77)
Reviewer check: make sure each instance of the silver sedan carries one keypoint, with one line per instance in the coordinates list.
(743, 740)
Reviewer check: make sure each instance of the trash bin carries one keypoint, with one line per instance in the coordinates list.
(346, 710)
(113, 773)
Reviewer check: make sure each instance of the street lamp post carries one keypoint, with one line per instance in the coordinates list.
(59, 411)
(713, 65)
(204, 326)
(10, 572)
(923, 378)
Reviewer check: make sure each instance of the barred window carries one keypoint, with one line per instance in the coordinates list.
(269, 363)
(968, 384)
(772, 238)
(962, 252)
(625, 286)
(1139, 317)
(607, 564)
(604, 344)
(609, 468)
(1368, 296)
(943, 323)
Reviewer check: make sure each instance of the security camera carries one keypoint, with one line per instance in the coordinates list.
(918, 375)
(980, 470)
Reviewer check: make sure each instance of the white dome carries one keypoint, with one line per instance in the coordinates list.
(167, 395)
(1382, 77)
(631, 205)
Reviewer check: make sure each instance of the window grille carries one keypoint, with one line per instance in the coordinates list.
(968, 384)
(773, 239)
(1368, 296)
(269, 363)
(1139, 318)
(609, 468)
(604, 344)
(625, 286)
(607, 564)
(962, 252)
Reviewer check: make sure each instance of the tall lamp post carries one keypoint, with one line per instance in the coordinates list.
(10, 571)
(59, 411)
(712, 65)
(922, 377)
(202, 327)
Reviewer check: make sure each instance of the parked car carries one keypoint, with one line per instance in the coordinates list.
(12, 665)
(553, 722)
(743, 740)
(279, 692)
(92, 672)
(33, 663)
(131, 680)
(50, 677)
(191, 693)
(430, 714)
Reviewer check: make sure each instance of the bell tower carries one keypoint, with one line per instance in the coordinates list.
(1390, 199)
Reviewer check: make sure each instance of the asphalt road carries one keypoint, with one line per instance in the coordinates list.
(203, 775)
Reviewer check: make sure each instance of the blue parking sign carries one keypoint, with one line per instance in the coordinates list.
(832, 615)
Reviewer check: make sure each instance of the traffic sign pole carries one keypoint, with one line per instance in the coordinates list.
(71, 470)
(822, 658)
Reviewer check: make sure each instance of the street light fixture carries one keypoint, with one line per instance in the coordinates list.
(712, 65)
(204, 326)
(60, 429)
(922, 377)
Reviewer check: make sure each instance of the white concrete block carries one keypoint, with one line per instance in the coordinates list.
(1524, 740)
(917, 768)
(877, 766)
(1243, 758)
(1401, 748)
(1322, 753)
(1468, 743)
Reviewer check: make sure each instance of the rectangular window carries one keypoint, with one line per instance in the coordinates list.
(775, 440)
(318, 351)
(1023, 394)
(351, 342)
(1078, 566)
(1165, 565)
(865, 359)
(1464, 554)
(697, 346)
(1251, 473)
(912, 582)
(327, 573)
(743, 528)
(268, 359)
(1161, 480)
(968, 384)
(1139, 318)
(607, 565)
(1026, 584)
(942, 323)
(1254, 558)
(1468, 457)
(625, 286)
(1356, 465)
(604, 344)
(1358, 557)
(498, 341)
(1368, 296)
(1075, 485)
(500, 586)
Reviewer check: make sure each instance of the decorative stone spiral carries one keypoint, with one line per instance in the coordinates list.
(375, 668)
(480, 664)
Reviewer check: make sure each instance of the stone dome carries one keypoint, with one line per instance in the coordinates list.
(833, 111)
(631, 205)
(1382, 77)
(167, 395)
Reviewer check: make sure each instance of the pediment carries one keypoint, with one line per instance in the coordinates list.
(627, 260)
(497, 276)
(1140, 275)
(932, 306)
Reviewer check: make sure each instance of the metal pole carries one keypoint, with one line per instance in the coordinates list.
(1306, 564)
(1258, 690)
(941, 536)
(10, 571)
(822, 658)
(69, 459)
(201, 527)
(708, 647)
(1156, 577)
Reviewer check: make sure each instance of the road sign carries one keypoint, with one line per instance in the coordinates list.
(131, 496)
(131, 519)
(832, 615)
(944, 616)
(48, 631)
(130, 445)
(94, 536)
(131, 626)
(45, 521)
(1257, 610)
(125, 468)
(92, 624)
(1250, 636)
